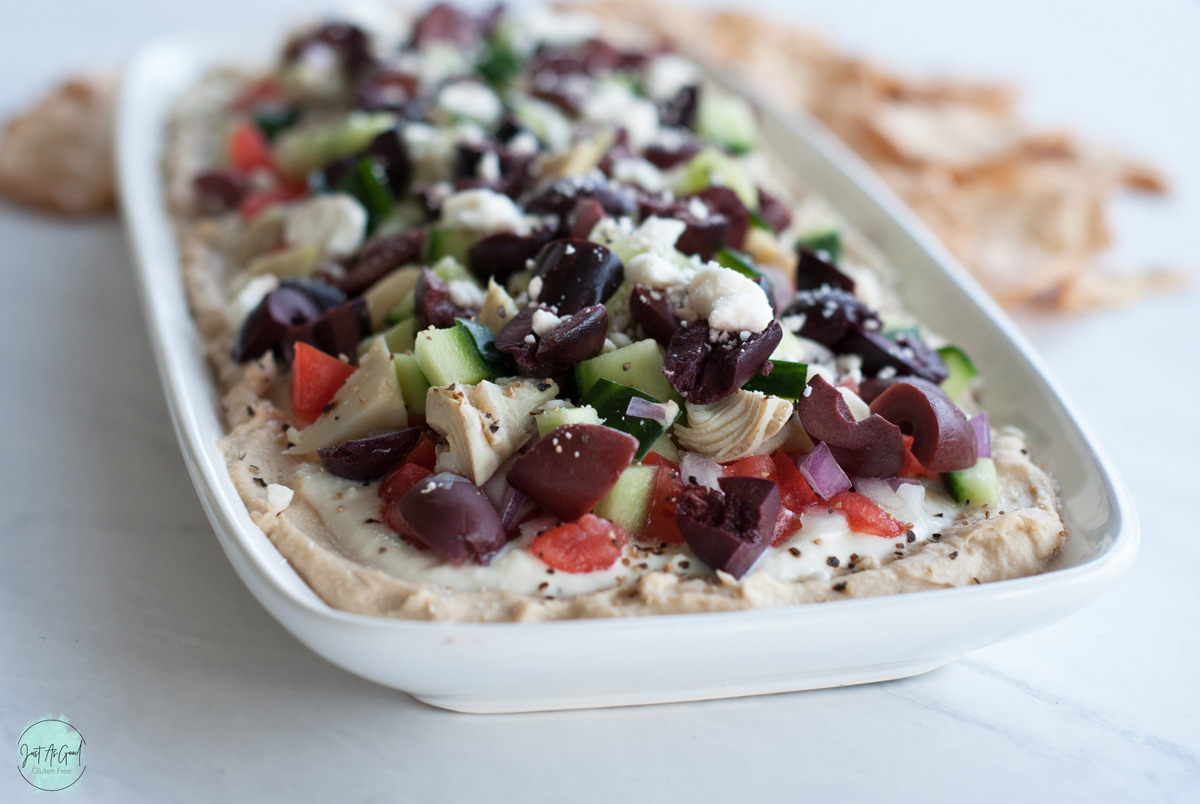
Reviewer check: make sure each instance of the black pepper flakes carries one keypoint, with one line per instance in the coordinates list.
(912, 537)
(937, 537)
(329, 407)
(370, 521)
(250, 410)
(253, 468)
(839, 587)
(684, 564)
(542, 386)
(494, 428)
(832, 561)
(954, 554)
(794, 551)
(260, 482)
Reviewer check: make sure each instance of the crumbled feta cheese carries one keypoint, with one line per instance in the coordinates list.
(731, 302)
(336, 223)
(523, 143)
(434, 151)
(858, 409)
(278, 498)
(465, 294)
(886, 373)
(669, 73)
(530, 339)
(653, 270)
(544, 321)
(386, 26)
(697, 208)
(545, 121)
(620, 339)
(614, 103)
(793, 323)
(488, 168)
(440, 61)
(472, 100)
(535, 288)
(609, 346)
(536, 25)
(640, 172)
(483, 211)
(251, 296)
(316, 74)
(661, 231)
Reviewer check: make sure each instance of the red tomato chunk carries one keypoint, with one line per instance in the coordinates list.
(316, 378)
(586, 545)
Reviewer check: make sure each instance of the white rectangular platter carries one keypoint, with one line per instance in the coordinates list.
(590, 663)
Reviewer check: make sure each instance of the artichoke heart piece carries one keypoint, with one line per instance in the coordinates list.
(498, 308)
(484, 424)
(743, 424)
(369, 400)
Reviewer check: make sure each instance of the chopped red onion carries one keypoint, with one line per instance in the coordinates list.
(695, 469)
(983, 434)
(823, 473)
(645, 409)
(538, 524)
(897, 482)
(513, 500)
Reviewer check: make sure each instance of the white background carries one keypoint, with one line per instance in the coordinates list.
(118, 609)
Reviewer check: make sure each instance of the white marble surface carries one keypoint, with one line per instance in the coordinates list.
(118, 609)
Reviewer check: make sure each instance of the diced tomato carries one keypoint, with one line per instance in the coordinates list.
(257, 201)
(795, 495)
(912, 467)
(423, 454)
(394, 487)
(864, 516)
(755, 466)
(316, 377)
(258, 92)
(586, 545)
(654, 459)
(660, 524)
(248, 148)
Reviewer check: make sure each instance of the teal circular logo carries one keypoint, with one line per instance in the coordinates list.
(50, 754)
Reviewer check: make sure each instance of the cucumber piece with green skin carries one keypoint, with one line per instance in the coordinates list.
(789, 347)
(447, 242)
(786, 380)
(665, 447)
(498, 62)
(413, 385)
(627, 503)
(638, 365)
(826, 240)
(406, 309)
(449, 356)
(726, 119)
(711, 167)
(757, 222)
(273, 120)
(975, 486)
(551, 418)
(962, 371)
(484, 341)
(367, 183)
(400, 338)
(450, 269)
(308, 147)
(610, 402)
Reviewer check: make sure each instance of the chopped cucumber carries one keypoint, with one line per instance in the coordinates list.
(786, 380)
(726, 119)
(824, 240)
(413, 385)
(498, 62)
(384, 295)
(368, 183)
(550, 418)
(611, 400)
(962, 371)
(628, 502)
(450, 269)
(544, 120)
(407, 308)
(447, 242)
(665, 447)
(789, 348)
(308, 147)
(400, 338)
(975, 486)
(638, 365)
(711, 167)
(484, 341)
(449, 356)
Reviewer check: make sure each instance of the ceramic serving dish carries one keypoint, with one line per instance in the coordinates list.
(575, 664)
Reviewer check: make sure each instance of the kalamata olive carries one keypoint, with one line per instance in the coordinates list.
(584, 217)
(590, 57)
(653, 310)
(706, 230)
(943, 439)
(829, 314)
(728, 529)
(385, 89)
(680, 110)
(372, 457)
(579, 337)
(561, 196)
(774, 212)
(452, 516)
(664, 157)
(392, 152)
(514, 177)
(339, 329)
(432, 306)
(502, 255)
(280, 311)
(726, 202)
(219, 191)
(380, 257)
(348, 42)
(324, 295)
(873, 447)
(559, 91)
(445, 22)
(907, 354)
(573, 274)
(704, 372)
(571, 469)
(812, 272)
